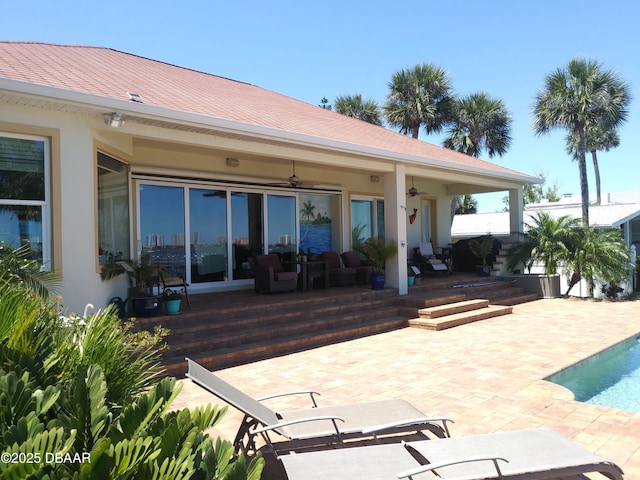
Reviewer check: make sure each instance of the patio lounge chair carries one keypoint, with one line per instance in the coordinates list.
(538, 454)
(431, 262)
(317, 426)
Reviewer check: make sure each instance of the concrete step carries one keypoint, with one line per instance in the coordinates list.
(232, 336)
(224, 357)
(452, 308)
(515, 299)
(456, 319)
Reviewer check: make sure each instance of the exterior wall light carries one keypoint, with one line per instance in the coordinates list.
(114, 120)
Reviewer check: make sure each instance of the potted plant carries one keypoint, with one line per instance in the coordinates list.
(171, 299)
(143, 277)
(547, 243)
(377, 252)
(482, 249)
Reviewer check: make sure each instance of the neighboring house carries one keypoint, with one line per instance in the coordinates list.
(617, 210)
(104, 155)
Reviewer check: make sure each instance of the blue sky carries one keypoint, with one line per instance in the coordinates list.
(308, 50)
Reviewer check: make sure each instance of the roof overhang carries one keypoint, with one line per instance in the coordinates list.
(70, 100)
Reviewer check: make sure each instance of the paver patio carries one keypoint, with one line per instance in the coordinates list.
(487, 375)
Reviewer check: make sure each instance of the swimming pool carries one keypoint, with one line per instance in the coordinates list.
(610, 378)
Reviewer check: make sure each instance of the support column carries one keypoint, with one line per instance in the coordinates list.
(395, 227)
(516, 208)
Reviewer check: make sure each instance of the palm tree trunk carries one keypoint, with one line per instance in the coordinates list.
(596, 170)
(584, 181)
(415, 129)
(575, 278)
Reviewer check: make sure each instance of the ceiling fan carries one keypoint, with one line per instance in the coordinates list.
(292, 182)
(413, 191)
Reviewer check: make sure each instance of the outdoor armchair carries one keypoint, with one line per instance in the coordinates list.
(270, 276)
(338, 273)
(351, 259)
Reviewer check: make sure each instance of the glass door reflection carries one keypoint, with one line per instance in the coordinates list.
(208, 227)
(162, 231)
(247, 231)
(281, 221)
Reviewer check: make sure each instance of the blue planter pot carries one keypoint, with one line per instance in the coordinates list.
(171, 307)
(146, 306)
(377, 281)
(484, 271)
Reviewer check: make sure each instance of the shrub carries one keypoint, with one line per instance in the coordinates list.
(79, 388)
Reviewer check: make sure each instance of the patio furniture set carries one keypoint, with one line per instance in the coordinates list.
(272, 274)
(368, 440)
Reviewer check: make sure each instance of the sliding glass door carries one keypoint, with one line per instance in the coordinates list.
(208, 233)
(281, 221)
(162, 226)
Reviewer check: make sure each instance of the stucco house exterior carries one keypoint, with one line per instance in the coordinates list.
(105, 154)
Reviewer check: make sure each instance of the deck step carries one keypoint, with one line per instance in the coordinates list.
(224, 357)
(515, 299)
(462, 318)
(452, 308)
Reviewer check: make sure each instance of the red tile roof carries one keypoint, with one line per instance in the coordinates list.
(111, 73)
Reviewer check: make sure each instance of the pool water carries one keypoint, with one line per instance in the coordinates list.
(610, 378)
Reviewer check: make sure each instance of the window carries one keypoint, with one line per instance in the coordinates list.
(24, 194)
(367, 219)
(113, 209)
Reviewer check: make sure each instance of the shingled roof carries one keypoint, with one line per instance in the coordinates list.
(111, 73)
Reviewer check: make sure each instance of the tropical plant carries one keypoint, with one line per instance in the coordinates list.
(599, 138)
(577, 98)
(535, 192)
(419, 97)
(478, 123)
(169, 294)
(376, 251)
(324, 103)
(481, 249)
(355, 107)
(466, 204)
(547, 241)
(597, 253)
(64, 407)
(20, 265)
(140, 272)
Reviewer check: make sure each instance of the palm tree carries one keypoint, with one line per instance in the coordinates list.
(419, 97)
(307, 213)
(599, 138)
(353, 106)
(466, 204)
(595, 253)
(577, 98)
(479, 123)
(547, 240)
